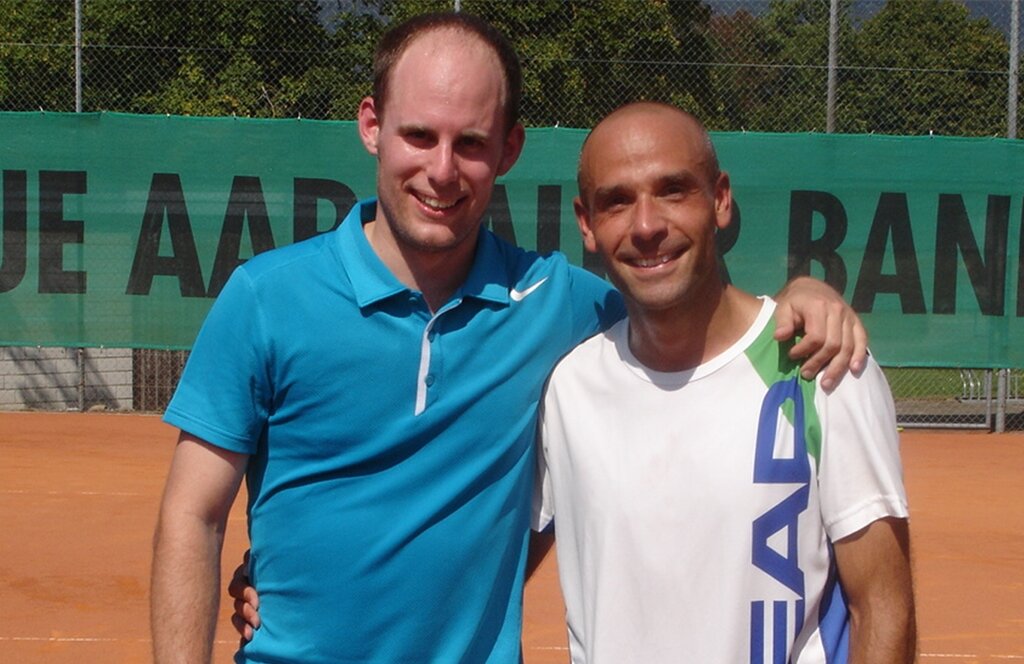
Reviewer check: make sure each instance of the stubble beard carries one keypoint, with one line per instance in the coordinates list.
(407, 240)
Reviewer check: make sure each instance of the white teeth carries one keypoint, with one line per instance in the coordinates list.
(437, 203)
(652, 262)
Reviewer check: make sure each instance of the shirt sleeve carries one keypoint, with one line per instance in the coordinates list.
(223, 392)
(861, 476)
(543, 512)
(596, 305)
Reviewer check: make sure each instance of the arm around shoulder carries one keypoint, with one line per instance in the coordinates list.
(874, 569)
(184, 588)
(834, 339)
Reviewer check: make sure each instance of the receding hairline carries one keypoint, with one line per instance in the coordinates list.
(474, 30)
(641, 108)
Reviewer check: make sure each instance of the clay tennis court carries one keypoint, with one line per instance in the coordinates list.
(79, 495)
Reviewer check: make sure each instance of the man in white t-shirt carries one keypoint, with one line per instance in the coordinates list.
(711, 504)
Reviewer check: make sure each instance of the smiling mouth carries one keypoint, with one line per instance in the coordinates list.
(438, 204)
(654, 261)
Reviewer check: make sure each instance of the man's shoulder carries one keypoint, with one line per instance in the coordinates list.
(302, 256)
(523, 269)
(587, 355)
(522, 261)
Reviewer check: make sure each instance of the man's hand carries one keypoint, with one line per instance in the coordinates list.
(833, 337)
(540, 544)
(246, 619)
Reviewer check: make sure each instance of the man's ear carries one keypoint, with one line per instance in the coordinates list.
(369, 124)
(513, 147)
(583, 222)
(723, 201)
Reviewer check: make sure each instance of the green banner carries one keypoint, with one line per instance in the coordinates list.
(119, 230)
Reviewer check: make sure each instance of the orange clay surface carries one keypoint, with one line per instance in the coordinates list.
(79, 496)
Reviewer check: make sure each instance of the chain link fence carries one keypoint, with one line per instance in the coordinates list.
(906, 67)
(900, 67)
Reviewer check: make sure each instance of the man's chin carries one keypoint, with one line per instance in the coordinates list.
(434, 242)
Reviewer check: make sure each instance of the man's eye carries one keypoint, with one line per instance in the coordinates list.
(614, 203)
(417, 136)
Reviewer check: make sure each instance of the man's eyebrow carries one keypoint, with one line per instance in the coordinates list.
(681, 178)
(417, 128)
(684, 178)
(412, 127)
(475, 134)
(608, 190)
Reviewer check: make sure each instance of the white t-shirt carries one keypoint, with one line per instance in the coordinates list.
(687, 528)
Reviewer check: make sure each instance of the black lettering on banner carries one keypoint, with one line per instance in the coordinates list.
(55, 231)
(988, 276)
(310, 190)
(892, 220)
(802, 249)
(549, 218)
(500, 215)
(246, 202)
(725, 240)
(166, 200)
(14, 251)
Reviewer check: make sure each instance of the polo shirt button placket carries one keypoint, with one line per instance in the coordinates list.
(431, 378)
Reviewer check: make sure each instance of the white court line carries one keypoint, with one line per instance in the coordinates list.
(71, 493)
(923, 655)
(951, 655)
(87, 639)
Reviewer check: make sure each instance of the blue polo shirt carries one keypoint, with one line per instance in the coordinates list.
(392, 448)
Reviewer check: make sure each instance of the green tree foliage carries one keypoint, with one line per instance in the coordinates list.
(584, 58)
(914, 66)
(775, 76)
(197, 57)
(334, 85)
(927, 66)
(37, 57)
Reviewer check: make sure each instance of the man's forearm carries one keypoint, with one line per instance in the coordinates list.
(185, 590)
(883, 638)
(874, 568)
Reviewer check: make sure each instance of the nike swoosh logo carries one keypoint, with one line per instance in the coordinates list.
(518, 295)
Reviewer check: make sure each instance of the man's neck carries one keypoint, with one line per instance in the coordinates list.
(436, 274)
(688, 336)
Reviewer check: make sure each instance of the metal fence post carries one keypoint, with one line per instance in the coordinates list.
(1011, 101)
(988, 399)
(1001, 377)
(833, 46)
(80, 357)
(78, 56)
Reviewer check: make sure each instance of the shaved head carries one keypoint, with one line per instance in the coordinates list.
(649, 117)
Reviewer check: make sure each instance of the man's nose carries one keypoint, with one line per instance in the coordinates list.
(648, 222)
(442, 168)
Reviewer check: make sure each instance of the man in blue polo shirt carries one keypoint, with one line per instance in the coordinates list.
(378, 387)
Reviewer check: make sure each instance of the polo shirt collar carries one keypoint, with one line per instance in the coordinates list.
(372, 281)
(487, 279)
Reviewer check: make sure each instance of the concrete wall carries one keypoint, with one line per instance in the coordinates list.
(57, 379)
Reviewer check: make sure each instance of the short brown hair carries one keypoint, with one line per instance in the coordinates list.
(396, 40)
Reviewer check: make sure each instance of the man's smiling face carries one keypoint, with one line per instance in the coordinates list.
(651, 201)
(441, 141)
